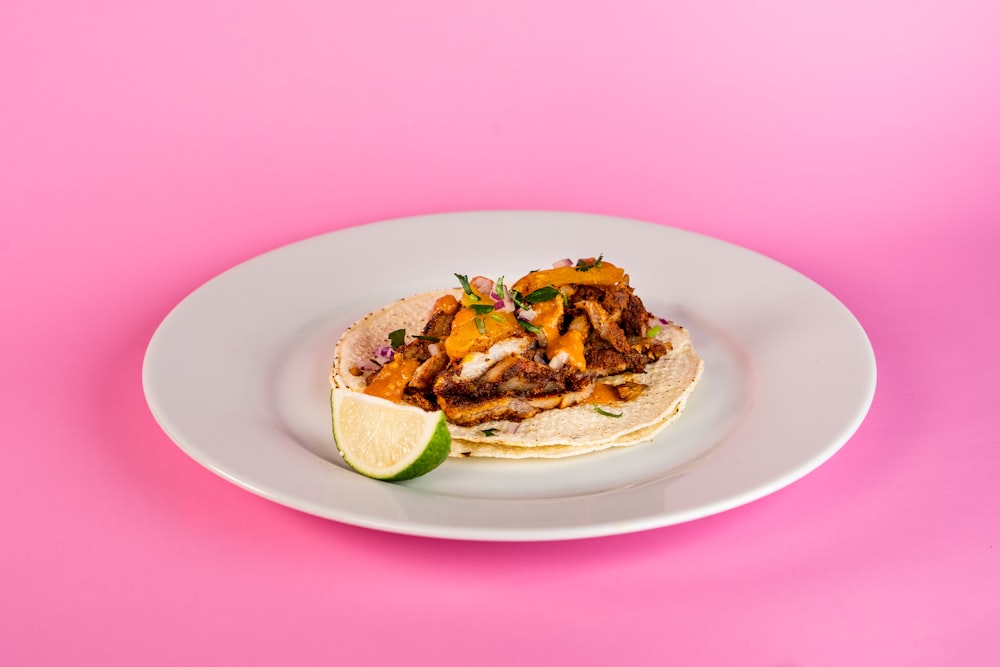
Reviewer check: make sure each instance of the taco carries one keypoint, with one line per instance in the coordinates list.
(562, 362)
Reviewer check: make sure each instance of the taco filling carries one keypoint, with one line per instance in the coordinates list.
(561, 361)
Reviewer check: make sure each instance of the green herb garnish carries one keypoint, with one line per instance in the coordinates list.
(653, 331)
(546, 293)
(490, 432)
(480, 325)
(496, 317)
(499, 287)
(599, 411)
(518, 300)
(528, 326)
(464, 280)
(482, 308)
(396, 338)
(587, 266)
(429, 339)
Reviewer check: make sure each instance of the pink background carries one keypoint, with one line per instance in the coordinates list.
(147, 146)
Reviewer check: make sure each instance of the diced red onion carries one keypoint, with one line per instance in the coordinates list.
(526, 315)
(511, 427)
(482, 285)
(433, 349)
(506, 303)
(561, 263)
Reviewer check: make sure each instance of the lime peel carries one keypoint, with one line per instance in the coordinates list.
(385, 440)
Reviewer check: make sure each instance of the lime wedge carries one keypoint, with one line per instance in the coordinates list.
(386, 440)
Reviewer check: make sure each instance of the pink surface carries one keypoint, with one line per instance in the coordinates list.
(145, 147)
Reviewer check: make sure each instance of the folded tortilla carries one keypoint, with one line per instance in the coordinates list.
(553, 433)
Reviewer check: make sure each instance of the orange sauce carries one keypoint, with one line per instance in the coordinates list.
(391, 381)
(446, 304)
(466, 336)
(571, 343)
(548, 317)
(603, 394)
(605, 274)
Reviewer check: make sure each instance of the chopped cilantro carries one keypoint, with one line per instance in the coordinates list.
(518, 300)
(542, 294)
(653, 331)
(599, 411)
(490, 432)
(396, 338)
(464, 280)
(583, 265)
(482, 308)
(528, 326)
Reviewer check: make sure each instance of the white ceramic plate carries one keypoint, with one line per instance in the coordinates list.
(237, 376)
